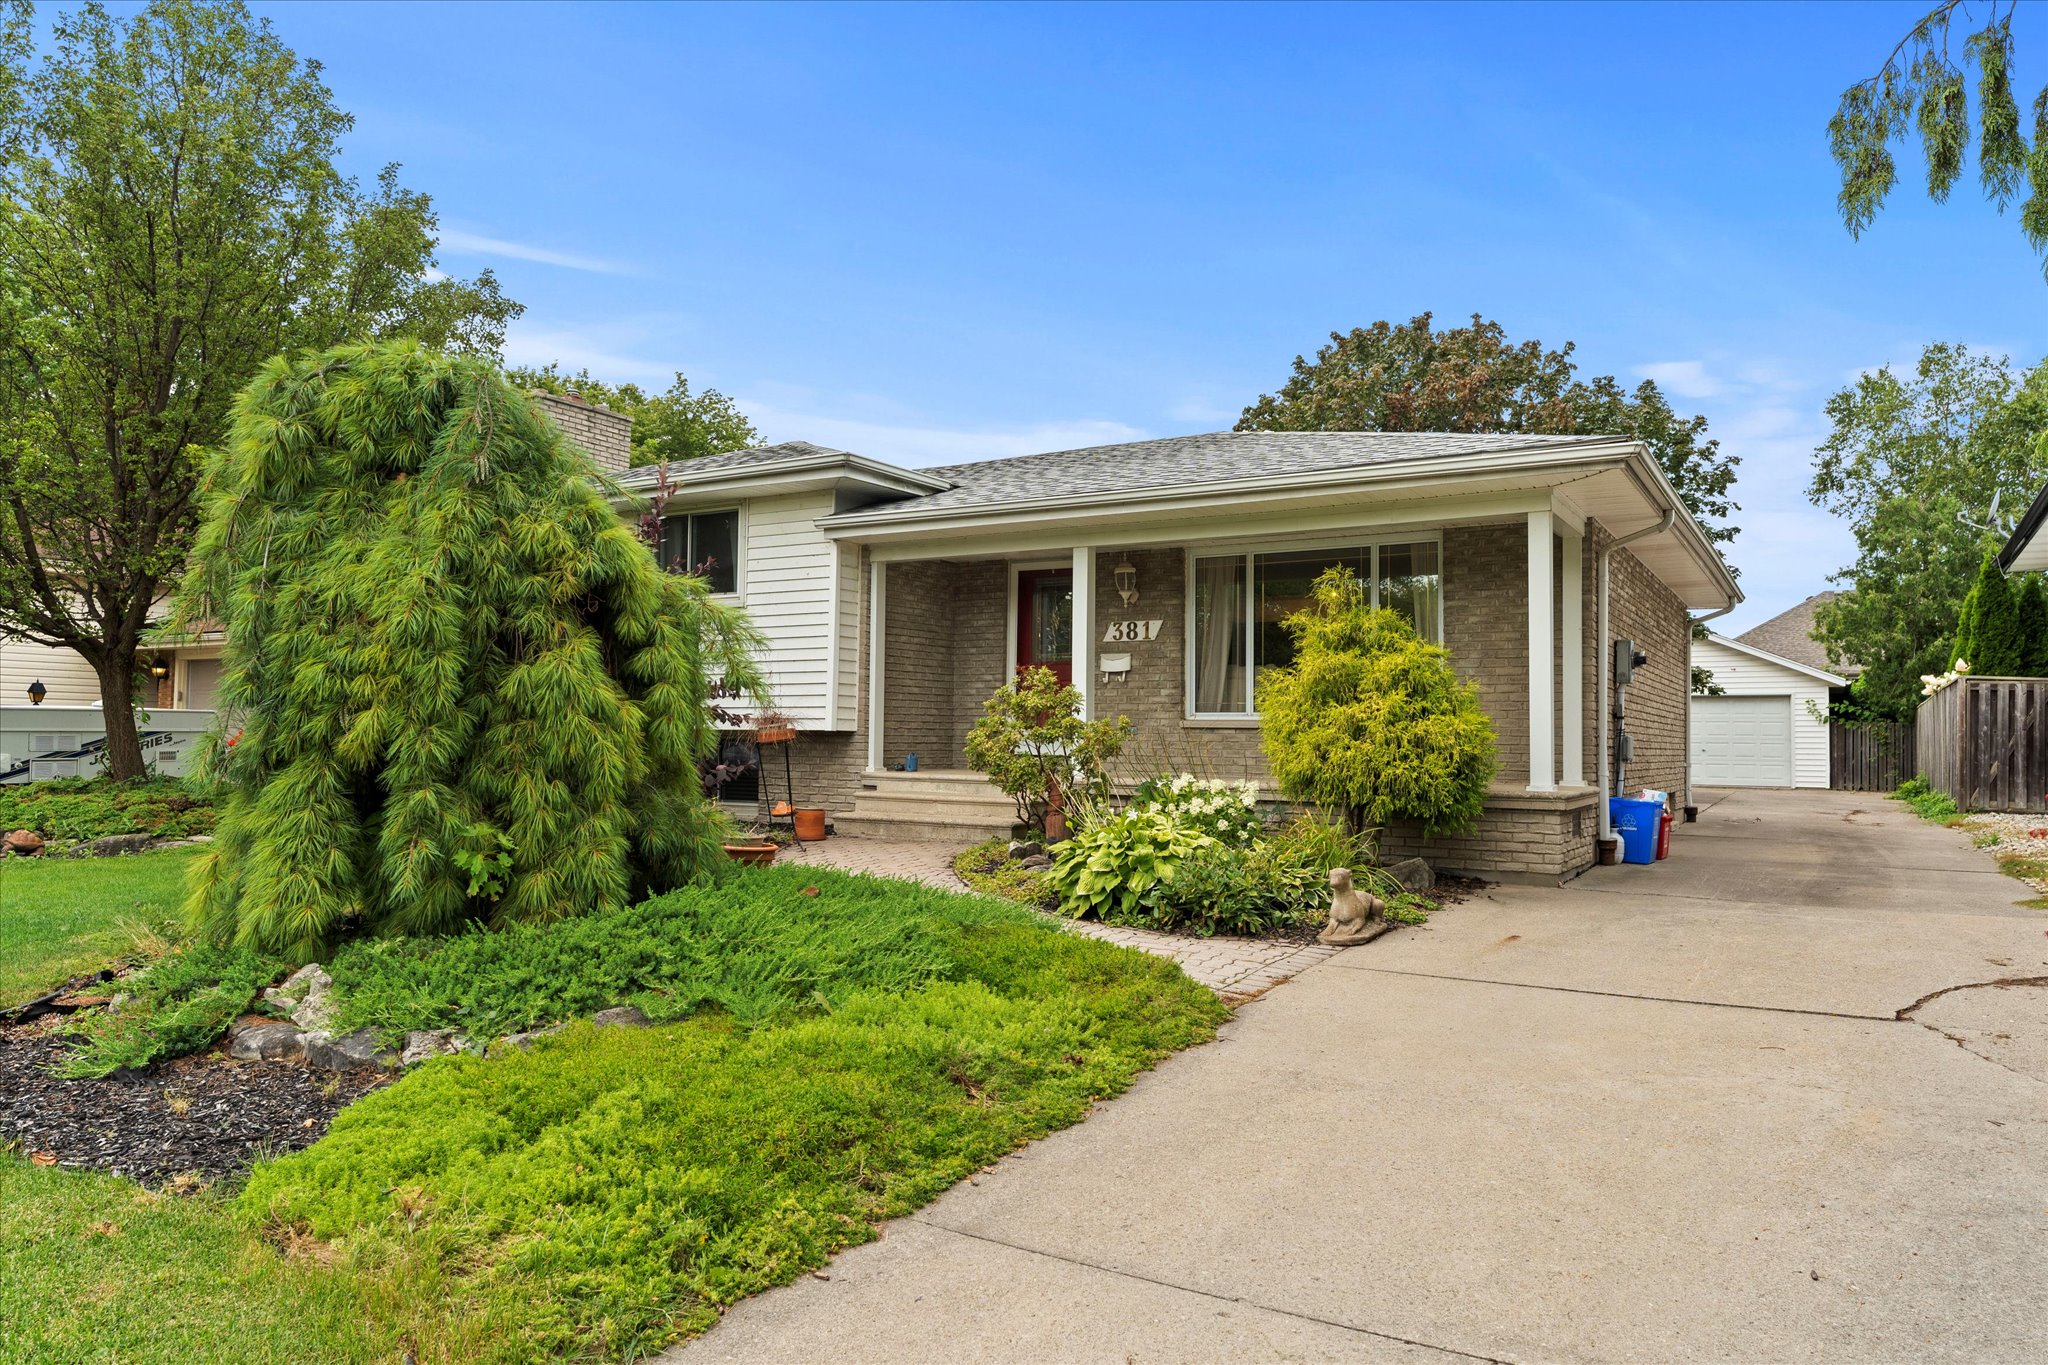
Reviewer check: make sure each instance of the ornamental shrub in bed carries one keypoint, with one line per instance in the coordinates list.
(1371, 723)
(1227, 812)
(466, 692)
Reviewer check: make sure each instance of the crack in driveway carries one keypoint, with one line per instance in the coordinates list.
(1931, 996)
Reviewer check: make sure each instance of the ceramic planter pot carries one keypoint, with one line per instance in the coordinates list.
(751, 855)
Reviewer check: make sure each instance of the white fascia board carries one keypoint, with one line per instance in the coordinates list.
(1819, 674)
(1203, 527)
(1688, 531)
(881, 523)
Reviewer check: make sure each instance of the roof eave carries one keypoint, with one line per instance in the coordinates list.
(1831, 679)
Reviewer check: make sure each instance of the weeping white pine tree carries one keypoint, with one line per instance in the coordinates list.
(465, 691)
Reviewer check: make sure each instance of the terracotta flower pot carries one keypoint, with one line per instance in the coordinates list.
(751, 855)
(810, 825)
(775, 734)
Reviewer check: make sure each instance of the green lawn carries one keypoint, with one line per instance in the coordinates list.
(63, 916)
(838, 1058)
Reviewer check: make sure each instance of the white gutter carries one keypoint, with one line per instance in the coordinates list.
(1692, 812)
(1607, 662)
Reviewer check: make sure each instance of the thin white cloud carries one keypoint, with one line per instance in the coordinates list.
(609, 351)
(475, 244)
(1683, 378)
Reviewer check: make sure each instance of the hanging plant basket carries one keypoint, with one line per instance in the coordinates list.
(780, 734)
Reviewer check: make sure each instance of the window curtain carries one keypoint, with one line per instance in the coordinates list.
(1219, 634)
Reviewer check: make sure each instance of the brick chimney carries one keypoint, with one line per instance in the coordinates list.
(604, 435)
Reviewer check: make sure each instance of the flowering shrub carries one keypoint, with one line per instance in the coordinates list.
(1227, 812)
(1930, 683)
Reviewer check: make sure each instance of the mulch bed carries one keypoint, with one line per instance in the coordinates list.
(206, 1115)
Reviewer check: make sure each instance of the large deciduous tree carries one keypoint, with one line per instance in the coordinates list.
(1914, 463)
(170, 216)
(1412, 377)
(466, 691)
(1924, 88)
(671, 426)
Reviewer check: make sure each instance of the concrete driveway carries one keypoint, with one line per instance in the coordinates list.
(1750, 1104)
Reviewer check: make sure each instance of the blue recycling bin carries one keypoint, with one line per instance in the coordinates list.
(1636, 823)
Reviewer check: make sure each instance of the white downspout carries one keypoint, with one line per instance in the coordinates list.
(1691, 812)
(1607, 662)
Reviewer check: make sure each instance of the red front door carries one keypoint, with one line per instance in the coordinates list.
(1045, 621)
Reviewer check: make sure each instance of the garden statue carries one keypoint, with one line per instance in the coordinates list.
(1355, 916)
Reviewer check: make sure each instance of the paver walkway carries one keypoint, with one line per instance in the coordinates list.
(1235, 968)
(1778, 1098)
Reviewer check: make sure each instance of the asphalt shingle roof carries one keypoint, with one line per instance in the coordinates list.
(744, 459)
(1180, 461)
(1789, 635)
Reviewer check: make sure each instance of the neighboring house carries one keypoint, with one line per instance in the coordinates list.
(1155, 576)
(2026, 548)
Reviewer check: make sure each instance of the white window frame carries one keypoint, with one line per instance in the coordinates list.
(739, 541)
(1248, 553)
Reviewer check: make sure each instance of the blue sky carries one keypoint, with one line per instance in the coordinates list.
(931, 234)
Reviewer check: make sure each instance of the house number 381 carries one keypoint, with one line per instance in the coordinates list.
(1125, 632)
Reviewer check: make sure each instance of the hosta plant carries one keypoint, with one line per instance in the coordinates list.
(1114, 868)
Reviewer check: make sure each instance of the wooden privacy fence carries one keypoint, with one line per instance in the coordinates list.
(1871, 758)
(1984, 741)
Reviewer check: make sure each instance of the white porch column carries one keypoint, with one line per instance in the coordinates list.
(1083, 664)
(878, 616)
(1542, 656)
(1573, 639)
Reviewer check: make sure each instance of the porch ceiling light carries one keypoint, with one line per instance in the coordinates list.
(1125, 576)
(36, 692)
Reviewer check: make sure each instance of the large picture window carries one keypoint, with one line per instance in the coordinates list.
(706, 543)
(1242, 601)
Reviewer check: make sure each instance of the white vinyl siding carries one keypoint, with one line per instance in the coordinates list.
(852, 613)
(1746, 676)
(787, 584)
(69, 679)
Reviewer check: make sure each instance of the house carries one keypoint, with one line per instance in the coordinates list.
(1767, 727)
(1155, 574)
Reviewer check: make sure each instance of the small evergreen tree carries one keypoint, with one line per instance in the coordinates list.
(1372, 722)
(2032, 619)
(1988, 637)
(464, 690)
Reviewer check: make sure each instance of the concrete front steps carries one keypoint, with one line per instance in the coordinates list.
(938, 805)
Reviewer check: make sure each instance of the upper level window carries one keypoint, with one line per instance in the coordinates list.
(706, 544)
(1242, 601)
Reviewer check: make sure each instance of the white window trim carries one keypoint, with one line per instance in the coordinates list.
(1246, 551)
(739, 540)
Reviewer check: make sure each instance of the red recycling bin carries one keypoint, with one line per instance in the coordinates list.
(1664, 834)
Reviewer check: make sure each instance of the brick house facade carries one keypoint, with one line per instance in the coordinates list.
(932, 572)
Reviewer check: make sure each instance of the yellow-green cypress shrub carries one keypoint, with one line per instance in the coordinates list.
(1372, 723)
(457, 686)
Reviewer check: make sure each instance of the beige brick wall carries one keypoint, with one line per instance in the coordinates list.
(918, 659)
(1519, 835)
(605, 435)
(1641, 608)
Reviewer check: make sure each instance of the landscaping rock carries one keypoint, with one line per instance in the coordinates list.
(315, 1009)
(113, 845)
(527, 1038)
(1413, 874)
(356, 1051)
(421, 1044)
(1037, 862)
(1022, 850)
(269, 1041)
(621, 1016)
(24, 843)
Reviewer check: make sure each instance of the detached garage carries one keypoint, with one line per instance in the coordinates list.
(1765, 730)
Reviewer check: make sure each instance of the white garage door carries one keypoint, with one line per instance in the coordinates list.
(1742, 741)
